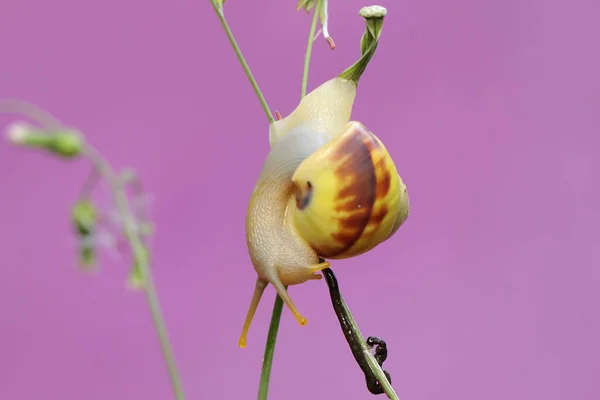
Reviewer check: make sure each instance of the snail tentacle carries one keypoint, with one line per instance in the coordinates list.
(320, 266)
(259, 289)
(283, 293)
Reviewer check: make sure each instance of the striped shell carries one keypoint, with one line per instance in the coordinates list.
(349, 196)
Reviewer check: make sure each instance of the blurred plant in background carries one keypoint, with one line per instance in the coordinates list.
(124, 227)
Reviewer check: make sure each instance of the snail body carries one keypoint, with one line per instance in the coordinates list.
(326, 109)
(328, 189)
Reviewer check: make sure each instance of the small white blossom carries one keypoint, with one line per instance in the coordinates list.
(372, 12)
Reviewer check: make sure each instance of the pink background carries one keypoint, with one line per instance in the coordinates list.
(489, 291)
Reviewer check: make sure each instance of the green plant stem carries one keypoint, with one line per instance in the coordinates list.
(309, 46)
(140, 255)
(374, 366)
(265, 376)
(278, 306)
(29, 110)
(242, 60)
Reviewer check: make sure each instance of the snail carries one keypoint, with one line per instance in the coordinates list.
(328, 189)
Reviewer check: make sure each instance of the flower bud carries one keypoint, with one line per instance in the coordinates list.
(66, 143)
(373, 16)
(84, 217)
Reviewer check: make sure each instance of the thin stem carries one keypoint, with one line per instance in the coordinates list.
(238, 53)
(373, 365)
(265, 375)
(90, 183)
(263, 388)
(362, 353)
(309, 45)
(139, 253)
(278, 306)
(29, 110)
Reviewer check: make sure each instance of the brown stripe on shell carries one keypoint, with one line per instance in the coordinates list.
(383, 184)
(384, 179)
(356, 198)
(382, 171)
(382, 187)
(378, 215)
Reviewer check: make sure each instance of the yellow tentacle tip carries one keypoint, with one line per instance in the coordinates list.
(301, 320)
(242, 343)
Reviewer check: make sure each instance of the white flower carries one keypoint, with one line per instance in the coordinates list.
(372, 12)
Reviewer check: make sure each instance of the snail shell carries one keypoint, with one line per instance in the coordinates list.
(349, 196)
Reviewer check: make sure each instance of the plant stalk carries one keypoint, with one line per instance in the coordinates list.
(265, 376)
(219, 10)
(358, 345)
(387, 387)
(278, 306)
(309, 45)
(140, 255)
(139, 252)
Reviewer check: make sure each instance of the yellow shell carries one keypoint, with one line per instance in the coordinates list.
(349, 196)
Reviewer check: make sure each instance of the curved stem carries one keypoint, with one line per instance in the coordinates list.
(140, 255)
(161, 330)
(238, 53)
(373, 365)
(31, 111)
(377, 382)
